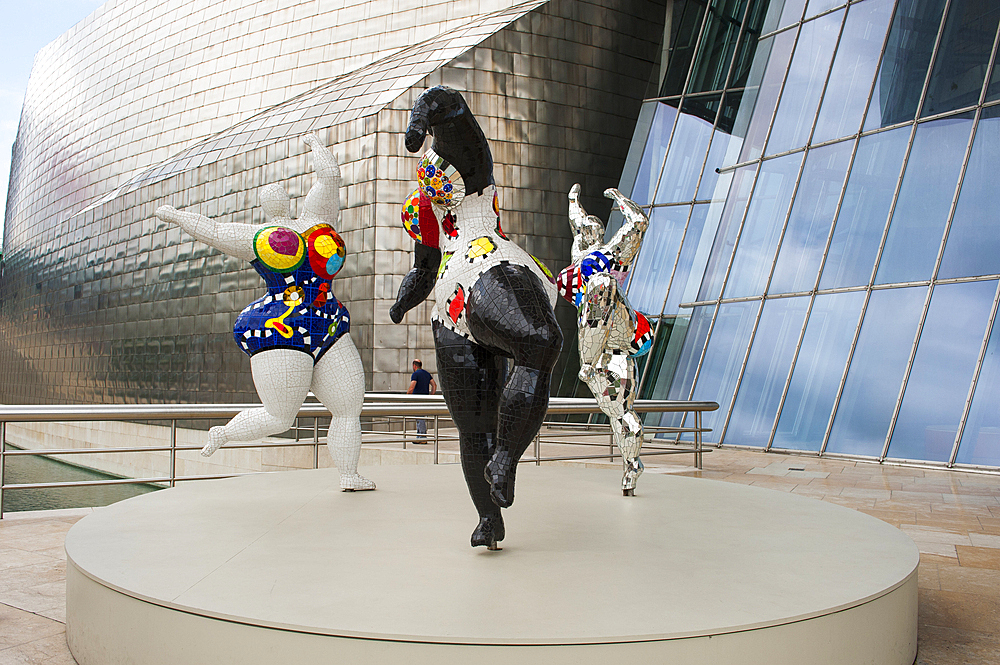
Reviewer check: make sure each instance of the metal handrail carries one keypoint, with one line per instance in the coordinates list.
(375, 405)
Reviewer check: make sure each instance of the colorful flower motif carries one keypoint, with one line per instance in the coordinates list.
(455, 305)
(279, 248)
(411, 215)
(480, 248)
(440, 181)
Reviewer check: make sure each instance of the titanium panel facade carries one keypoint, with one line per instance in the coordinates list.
(148, 103)
(822, 258)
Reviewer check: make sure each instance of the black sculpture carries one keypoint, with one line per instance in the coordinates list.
(494, 302)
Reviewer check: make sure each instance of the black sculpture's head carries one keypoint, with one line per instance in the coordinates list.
(443, 113)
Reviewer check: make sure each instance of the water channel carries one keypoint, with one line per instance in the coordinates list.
(38, 469)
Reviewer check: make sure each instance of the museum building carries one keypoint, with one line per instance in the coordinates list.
(821, 260)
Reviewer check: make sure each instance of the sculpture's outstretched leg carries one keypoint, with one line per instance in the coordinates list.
(471, 378)
(605, 329)
(339, 383)
(509, 310)
(282, 378)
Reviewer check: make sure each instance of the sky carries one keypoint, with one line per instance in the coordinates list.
(28, 25)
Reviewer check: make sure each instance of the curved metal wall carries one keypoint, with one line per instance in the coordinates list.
(102, 303)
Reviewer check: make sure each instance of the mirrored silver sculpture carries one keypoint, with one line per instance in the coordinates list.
(297, 334)
(611, 334)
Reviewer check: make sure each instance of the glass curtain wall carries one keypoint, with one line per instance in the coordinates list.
(823, 257)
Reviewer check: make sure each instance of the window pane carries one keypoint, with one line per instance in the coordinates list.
(806, 77)
(663, 357)
(725, 239)
(876, 372)
(921, 213)
(765, 217)
(782, 13)
(942, 371)
(715, 52)
(723, 360)
(863, 213)
(981, 437)
(723, 143)
(973, 242)
(636, 147)
(963, 56)
(820, 6)
(680, 50)
(993, 89)
(907, 53)
(853, 70)
(761, 95)
(652, 156)
(687, 151)
(812, 216)
(818, 370)
(691, 264)
(767, 370)
(650, 275)
(694, 343)
(748, 43)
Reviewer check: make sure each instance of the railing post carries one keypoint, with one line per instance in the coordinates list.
(315, 442)
(296, 429)
(3, 462)
(538, 448)
(404, 432)
(173, 452)
(697, 440)
(437, 440)
(611, 441)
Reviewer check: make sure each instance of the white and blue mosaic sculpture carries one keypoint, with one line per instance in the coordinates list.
(297, 334)
(611, 335)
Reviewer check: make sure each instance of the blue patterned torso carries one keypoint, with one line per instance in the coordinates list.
(299, 311)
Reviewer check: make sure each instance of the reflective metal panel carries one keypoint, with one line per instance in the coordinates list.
(819, 368)
(942, 372)
(877, 367)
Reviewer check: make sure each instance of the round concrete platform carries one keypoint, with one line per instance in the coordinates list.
(286, 568)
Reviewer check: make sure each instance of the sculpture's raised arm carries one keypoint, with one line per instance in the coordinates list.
(587, 229)
(625, 244)
(231, 238)
(323, 200)
(418, 282)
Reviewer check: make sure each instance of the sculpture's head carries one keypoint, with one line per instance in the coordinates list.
(459, 151)
(274, 202)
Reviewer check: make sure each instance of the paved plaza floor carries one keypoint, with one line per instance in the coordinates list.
(954, 517)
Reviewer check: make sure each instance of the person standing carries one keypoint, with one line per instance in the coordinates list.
(421, 383)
